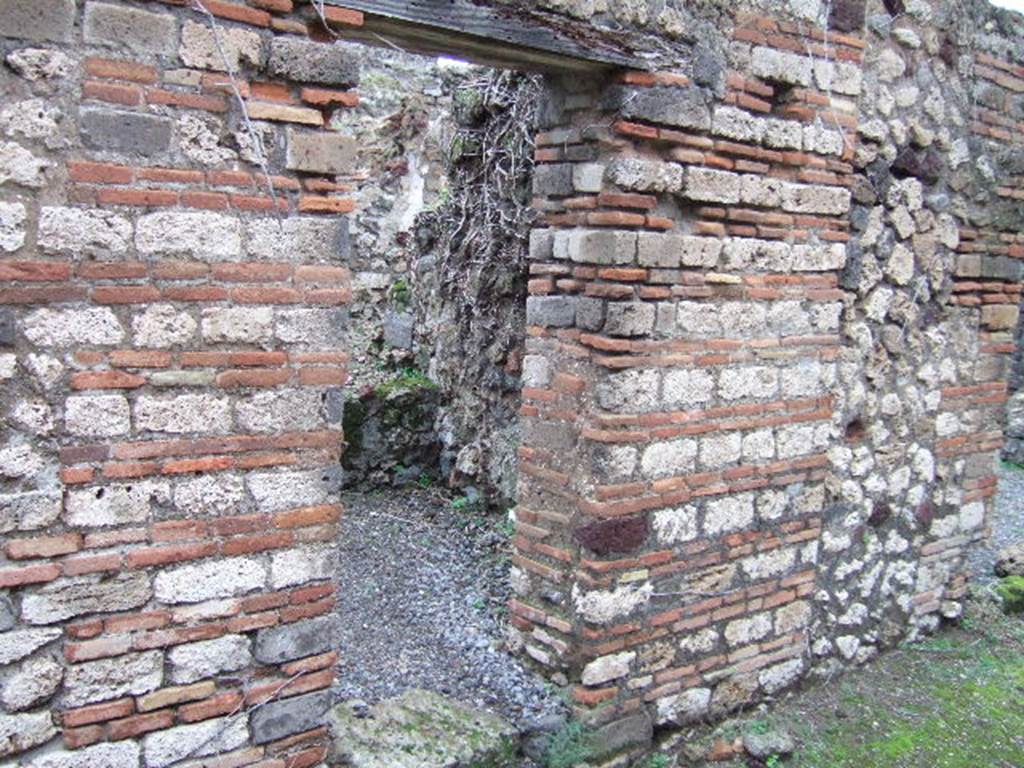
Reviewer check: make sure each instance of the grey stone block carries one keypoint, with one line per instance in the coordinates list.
(542, 244)
(282, 718)
(1015, 416)
(708, 66)
(309, 62)
(629, 319)
(125, 131)
(580, 153)
(678, 107)
(37, 19)
(7, 619)
(549, 436)
(641, 175)
(635, 731)
(334, 405)
(342, 240)
(551, 311)
(295, 641)
(398, 330)
(553, 179)
(131, 28)
(68, 598)
(588, 177)
(6, 328)
(589, 313)
(1001, 268)
(600, 246)
(320, 152)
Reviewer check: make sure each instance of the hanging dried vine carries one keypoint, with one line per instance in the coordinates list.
(473, 294)
(488, 217)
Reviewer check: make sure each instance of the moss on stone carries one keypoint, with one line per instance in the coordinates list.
(422, 729)
(409, 380)
(1011, 592)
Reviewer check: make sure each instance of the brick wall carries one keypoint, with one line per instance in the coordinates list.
(172, 354)
(770, 323)
(685, 320)
(773, 288)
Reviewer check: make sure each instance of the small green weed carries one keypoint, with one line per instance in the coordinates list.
(656, 761)
(444, 195)
(470, 508)
(569, 747)
(1012, 465)
(400, 294)
(408, 379)
(758, 726)
(773, 761)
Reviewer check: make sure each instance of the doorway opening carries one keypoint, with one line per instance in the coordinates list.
(436, 330)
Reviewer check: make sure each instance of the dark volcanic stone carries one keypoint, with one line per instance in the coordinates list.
(120, 131)
(947, 52)
(613, 536)
(925, 513)
(6, 328)
(296, 641)
(894, 7)
(678, 107)
(278, 719)
(926, 165)
(879, 514)
(7, 615)
(311, 62)
(847, 15)
(630, 732)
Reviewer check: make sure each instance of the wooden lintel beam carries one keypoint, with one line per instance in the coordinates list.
(485, 35)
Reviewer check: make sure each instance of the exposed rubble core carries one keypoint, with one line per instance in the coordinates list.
(773, 279)
(471, 281)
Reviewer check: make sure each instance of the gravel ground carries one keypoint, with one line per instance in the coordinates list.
(423, 590)
(1007, 523)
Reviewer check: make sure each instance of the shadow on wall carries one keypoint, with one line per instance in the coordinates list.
(390, 433)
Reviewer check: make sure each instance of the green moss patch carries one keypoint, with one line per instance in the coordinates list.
(954, 701)
(408, 380)
(1011, 592)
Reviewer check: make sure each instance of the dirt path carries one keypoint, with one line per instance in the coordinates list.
(424, 582)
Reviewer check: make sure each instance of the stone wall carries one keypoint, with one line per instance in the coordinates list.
(773, 289)
(172, 314)
(769, 337)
